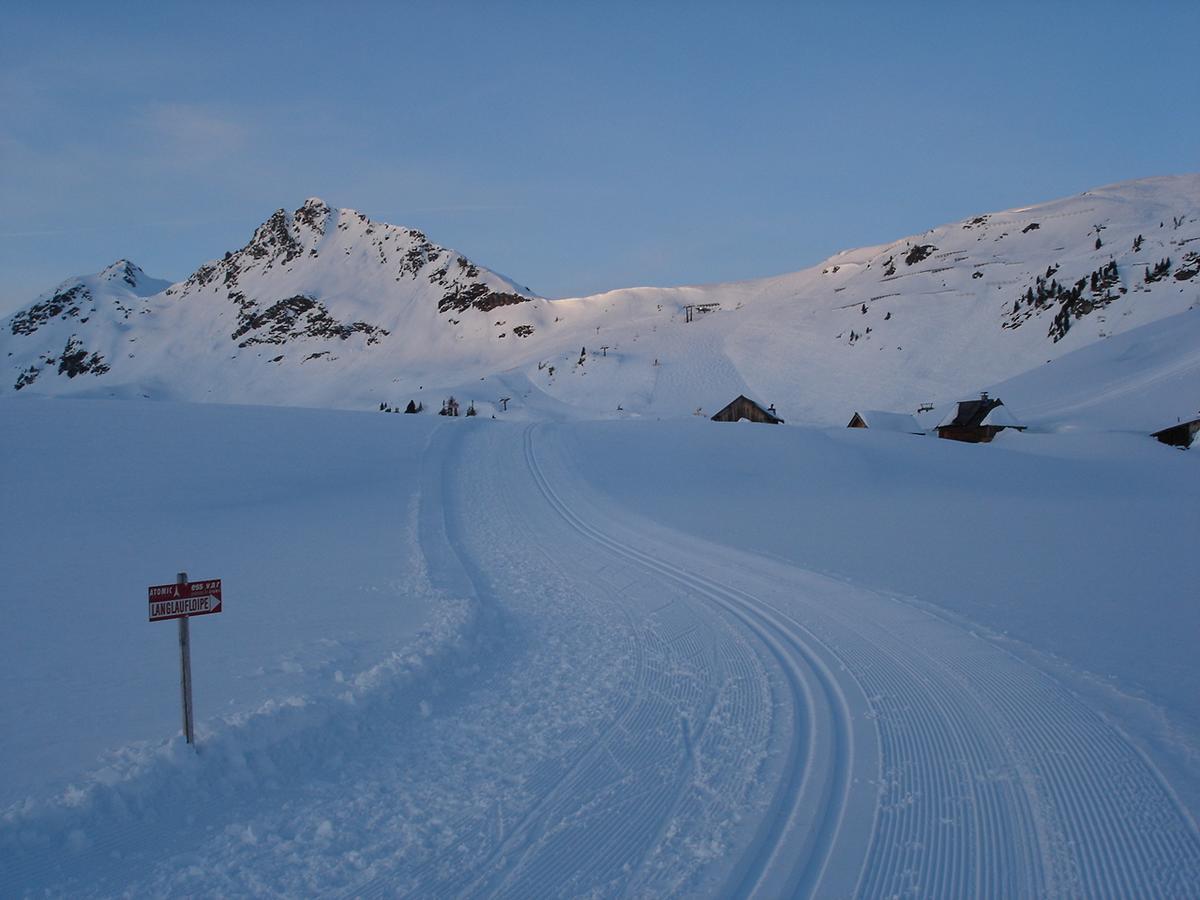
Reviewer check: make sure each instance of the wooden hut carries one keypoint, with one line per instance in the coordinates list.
(1182, 435)
(745, 408)
(902, 423)
(977, 421)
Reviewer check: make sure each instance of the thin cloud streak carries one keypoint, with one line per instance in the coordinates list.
(503, 207)
(96, 229)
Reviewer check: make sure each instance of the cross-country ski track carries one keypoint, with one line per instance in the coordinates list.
(633, 711)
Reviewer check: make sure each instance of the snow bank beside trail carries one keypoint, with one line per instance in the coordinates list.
(311, 518)
(285, 740)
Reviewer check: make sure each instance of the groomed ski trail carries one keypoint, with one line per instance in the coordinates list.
(993, 779)
(639, 712)
(796, 837)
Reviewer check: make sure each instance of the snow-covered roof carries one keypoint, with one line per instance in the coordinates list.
(1002, 417)
(890, 421)
(969, 413)
(958, 415)
(978, 413)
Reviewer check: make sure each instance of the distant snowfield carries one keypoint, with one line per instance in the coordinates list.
(479, 658)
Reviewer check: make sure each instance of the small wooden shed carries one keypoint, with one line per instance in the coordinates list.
(745, 408)
(902, 423)
(977, 421)
(1182, 435)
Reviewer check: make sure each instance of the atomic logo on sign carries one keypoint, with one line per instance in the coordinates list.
(177, 601)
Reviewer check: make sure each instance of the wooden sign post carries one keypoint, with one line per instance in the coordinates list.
(181, 601)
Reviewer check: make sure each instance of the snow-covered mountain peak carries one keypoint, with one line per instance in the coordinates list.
(327, 307)
(125, 271)
(310, 288)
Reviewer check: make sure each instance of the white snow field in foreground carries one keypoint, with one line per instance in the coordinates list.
(474, 658)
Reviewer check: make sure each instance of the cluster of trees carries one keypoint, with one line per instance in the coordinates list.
(1061, 324)
(1158, 271)
(450, 408)
(1104, 278)
(1074, 301)
(413, 407)
(1047, 290)
(1074, 305)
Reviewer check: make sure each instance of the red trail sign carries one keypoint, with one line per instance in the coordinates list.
(177, 601)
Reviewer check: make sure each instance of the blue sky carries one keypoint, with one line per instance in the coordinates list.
(574, 147)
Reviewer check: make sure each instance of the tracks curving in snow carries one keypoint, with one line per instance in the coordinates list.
(991, 778)
(788, 856)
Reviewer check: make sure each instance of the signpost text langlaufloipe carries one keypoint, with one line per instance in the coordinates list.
(181, 601)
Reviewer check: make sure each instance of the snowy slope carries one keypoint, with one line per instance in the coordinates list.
(932, 317)
(1142, 380)
(324, 307)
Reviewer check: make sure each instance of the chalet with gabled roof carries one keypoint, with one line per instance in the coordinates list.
(744, 408)
(977, 421)
(1181, 435)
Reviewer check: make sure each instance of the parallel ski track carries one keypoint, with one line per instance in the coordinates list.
(788, 856)
(996, 780)
(633, 789)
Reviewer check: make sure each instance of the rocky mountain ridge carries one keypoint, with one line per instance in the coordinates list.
(325, 307)
(294, 283)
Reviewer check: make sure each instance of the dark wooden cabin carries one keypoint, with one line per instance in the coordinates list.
(1182, 435)
(977, 421)
(745, 408)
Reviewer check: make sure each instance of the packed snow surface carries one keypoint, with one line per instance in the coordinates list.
(466, 657)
